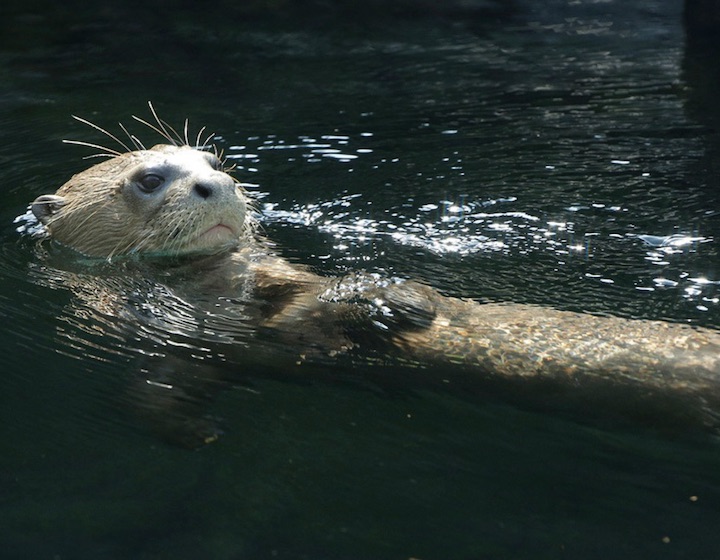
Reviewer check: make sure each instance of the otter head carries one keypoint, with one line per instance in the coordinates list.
(169, 200)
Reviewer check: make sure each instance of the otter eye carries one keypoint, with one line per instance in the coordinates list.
(150, 182)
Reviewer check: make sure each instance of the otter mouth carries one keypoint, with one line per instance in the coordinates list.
(216, 236)
(220, 229)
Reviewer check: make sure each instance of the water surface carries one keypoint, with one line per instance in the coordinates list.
(562, 155)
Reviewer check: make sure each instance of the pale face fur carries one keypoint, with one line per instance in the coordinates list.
(169, 200)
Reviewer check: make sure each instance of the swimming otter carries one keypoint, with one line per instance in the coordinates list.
(175, 203)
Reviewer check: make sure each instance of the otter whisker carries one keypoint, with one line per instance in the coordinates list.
(207, 141)
(134, 139)
(171, 245)
(185, 129)
(170, 134)
(174, 132)
(175, 232)
(126, 244)
(138, 246)
(79, 227)
(160, 123)
(91, 156)
(224, 160)
(199, 134)
(170, 231)
(151, 126)
(139, 142)
(105, 132)
(108, 151)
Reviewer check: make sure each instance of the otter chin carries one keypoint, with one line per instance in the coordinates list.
(216, 238)
(168, 200)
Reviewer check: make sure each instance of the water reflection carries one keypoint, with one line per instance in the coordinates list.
(560, 158)
(378, 203)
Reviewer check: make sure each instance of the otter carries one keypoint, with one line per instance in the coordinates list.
(175, 205)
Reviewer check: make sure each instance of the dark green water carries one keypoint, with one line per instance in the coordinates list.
(561, 154)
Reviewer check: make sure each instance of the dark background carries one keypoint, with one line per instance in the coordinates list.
(559, 153)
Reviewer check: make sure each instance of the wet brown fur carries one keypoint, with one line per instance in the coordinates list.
(526, 350)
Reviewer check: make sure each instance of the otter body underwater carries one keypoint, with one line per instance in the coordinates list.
(175, 207)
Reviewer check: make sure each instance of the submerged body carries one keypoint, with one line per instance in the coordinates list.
(176, 202)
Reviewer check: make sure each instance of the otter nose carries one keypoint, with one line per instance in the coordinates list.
(203, 190)
(212, 185)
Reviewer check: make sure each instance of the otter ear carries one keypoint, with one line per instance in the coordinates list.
(46, 205)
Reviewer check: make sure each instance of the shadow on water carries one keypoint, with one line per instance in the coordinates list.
(563, 154)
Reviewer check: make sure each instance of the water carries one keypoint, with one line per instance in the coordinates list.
(557, 154)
